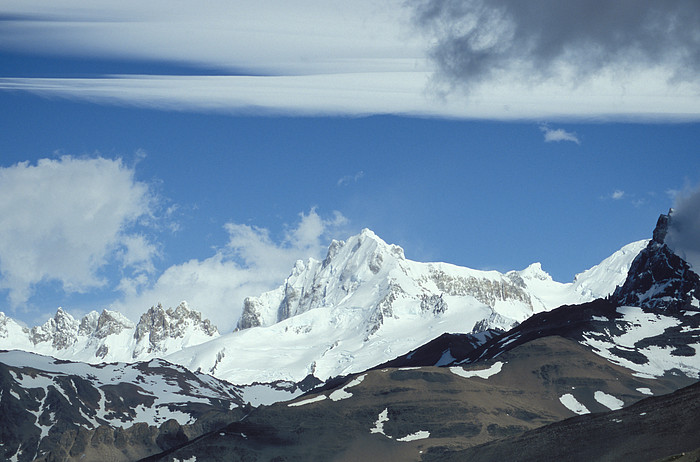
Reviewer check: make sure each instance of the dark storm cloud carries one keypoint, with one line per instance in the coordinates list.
(476, 39)
(684, 228)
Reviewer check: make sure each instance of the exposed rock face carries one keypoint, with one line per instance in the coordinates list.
(659, 279)
(58, 410)
(110, 336)
(367, 273)
(61, 331)
(158, 325)
(486, 291)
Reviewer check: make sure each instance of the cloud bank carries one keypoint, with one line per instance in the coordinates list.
(62, 220)
(252, 262)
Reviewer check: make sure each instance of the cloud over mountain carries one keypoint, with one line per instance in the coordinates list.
(252, 261)
(684, 227)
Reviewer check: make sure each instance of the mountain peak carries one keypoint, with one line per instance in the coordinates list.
(535, 271)
(661, 229)
(658, 278)
(157, 326)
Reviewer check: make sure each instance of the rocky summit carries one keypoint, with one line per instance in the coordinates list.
(109, 335)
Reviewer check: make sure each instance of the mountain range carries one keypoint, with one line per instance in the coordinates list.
(395, 359)
(364, 304)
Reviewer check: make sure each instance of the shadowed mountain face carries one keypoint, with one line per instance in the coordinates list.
(656, 428)
(60, 410)
(498, 392)
(409, 413)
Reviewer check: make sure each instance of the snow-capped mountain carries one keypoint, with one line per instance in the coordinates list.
(365, 304)
(110, 336)
(366, 272)
(650, 324)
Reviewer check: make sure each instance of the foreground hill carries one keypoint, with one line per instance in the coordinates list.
(61, 410)
(413, 413)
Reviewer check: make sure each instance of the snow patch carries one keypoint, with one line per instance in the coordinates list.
(419, 435)
(379, 424)
(645, 391)
(482, 373)
(303, 402)
(446, 359)
(640, 325)
(337, 395)
(572, 404)
(261, 394)
(608, 401)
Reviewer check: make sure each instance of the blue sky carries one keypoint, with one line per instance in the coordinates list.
(154, 154)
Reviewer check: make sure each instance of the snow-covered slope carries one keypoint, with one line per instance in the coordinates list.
(110, 336)
(49, 404)
(365, 304)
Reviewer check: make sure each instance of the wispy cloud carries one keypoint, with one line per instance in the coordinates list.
(65, 219)
(558, 134)
(347, 179)
(364, 58)
(617, 194)
(250, 263)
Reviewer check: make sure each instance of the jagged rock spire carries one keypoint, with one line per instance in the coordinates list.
(658, 278)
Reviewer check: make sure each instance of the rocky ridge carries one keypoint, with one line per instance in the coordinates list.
(366, 304)
(109, 335)
(61, 410)
(367, 272)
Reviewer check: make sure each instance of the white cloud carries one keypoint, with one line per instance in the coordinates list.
(558, 134)
(251, 263)
(617, 194)
(347, 179)
(647, 98)
(272, 37)
(64, 219)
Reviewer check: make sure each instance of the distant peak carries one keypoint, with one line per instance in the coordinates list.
(535, 271)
